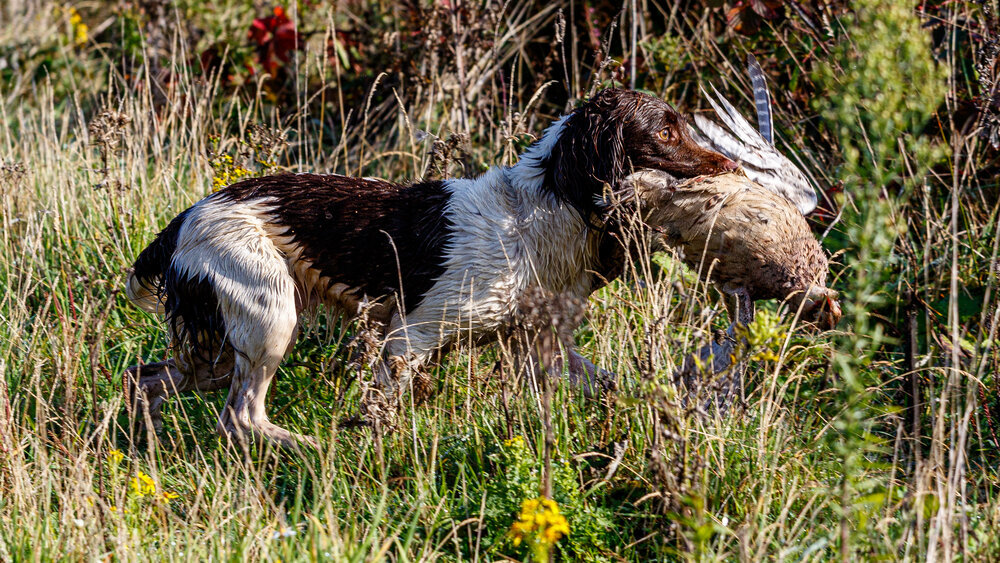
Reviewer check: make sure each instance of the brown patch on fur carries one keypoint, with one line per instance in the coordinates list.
(314, 288)
(372, 235)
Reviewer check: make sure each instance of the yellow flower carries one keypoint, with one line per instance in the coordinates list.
(226, 172)
(79, 29)
(115, 456)
(516, 441)
(766, 355)
(541, 523)
(142, 484)
(168, 495)
(80, 36)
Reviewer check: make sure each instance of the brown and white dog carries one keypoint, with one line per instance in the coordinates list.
(445, 258)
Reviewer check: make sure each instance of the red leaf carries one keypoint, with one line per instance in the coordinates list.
(767, 9)
(259, 31)
(275, 36)
(742, 19)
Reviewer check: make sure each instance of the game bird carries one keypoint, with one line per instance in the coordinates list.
(744, 231)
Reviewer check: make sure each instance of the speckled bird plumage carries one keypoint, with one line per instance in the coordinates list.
(752, 243)
(735, 233)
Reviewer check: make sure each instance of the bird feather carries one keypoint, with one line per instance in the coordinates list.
(760, 160)
(761, 99)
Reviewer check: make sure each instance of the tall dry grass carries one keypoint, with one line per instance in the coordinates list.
(876, 441)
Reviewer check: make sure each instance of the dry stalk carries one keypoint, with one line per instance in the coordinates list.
(544, 332)
(6, 426)
(377, 409)
(456, 148)
(107, 132)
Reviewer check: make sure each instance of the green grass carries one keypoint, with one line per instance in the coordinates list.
(820, 459)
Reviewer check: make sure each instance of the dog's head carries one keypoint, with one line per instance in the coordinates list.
(617, 131)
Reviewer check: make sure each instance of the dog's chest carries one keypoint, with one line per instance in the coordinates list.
(505, 241)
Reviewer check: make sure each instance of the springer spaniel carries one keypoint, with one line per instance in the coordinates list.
(441, 259)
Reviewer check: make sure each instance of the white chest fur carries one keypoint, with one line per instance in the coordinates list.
(507, 237)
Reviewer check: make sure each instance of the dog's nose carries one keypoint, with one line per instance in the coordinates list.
(730, 166)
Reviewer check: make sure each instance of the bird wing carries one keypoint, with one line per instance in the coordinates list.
(732, 119)
(761, 161)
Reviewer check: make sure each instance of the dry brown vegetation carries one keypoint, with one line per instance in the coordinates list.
(877, 440)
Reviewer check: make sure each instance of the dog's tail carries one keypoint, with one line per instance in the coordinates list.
(145, 284)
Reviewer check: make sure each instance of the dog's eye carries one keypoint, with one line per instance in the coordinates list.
(667, 134)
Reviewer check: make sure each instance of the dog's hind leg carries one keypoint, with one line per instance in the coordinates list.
(261, 322)
(148, 386)
(244, 415)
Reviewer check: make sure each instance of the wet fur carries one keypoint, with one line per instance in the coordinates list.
(441, 259)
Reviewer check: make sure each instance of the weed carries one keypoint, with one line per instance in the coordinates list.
(874, 441)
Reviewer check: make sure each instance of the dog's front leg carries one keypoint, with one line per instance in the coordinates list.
(395, 373)
(395, 376)
(410, 343)
(535, 358)
(148, 386)
(585, 375)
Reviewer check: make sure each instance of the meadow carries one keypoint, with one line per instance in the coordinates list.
(877, 440)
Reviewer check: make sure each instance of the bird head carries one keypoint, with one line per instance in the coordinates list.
(818, 305)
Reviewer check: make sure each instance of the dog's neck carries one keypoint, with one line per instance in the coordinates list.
(529, 172)
(558, 239)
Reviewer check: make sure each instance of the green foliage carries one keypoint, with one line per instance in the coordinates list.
(113, 119)
(668, 53)
(882, 86)
(518, 478)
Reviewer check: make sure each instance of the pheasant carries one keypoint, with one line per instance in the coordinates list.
(752, 243)
(744, 231)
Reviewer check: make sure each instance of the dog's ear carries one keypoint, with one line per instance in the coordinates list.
(590, 150)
